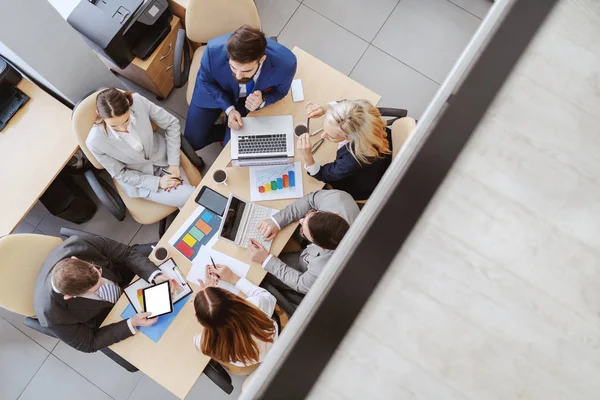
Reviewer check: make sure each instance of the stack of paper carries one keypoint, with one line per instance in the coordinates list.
(202, 259)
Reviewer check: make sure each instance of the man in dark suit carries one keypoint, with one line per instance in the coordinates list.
(239, 72)
(78, 285)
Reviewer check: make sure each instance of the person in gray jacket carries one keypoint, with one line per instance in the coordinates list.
(325, 217)
(144, 162)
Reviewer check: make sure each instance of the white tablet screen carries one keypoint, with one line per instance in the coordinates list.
(157, 299)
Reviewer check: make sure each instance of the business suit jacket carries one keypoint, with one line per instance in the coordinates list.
(348, 174)
(313, 259)
(133, 170)
(76, 321)
(217, 88)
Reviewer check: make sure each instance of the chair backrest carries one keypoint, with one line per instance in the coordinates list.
(22, 257)
(401, 130)
(207, 19)
(83, 118)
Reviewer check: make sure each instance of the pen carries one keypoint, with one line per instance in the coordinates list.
(316, 146)
(214, 265)
(317, 131)
(168, 173)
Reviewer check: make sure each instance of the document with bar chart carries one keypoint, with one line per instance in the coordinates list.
(196, 232)
(276, 182)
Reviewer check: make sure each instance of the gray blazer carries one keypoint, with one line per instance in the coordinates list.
(313, 259)
(76, 321)
(135, 171)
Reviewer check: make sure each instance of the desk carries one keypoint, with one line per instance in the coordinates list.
(34, 147)
(160, 360)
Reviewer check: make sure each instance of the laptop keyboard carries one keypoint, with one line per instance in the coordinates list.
(258, 214)
(268, 143)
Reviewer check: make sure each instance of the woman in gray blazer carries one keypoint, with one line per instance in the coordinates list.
(145, 163)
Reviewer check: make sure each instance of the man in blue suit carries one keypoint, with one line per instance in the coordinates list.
(239, 72)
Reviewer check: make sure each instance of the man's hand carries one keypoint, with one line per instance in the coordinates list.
(258, 253)
(234, 120)
(268, 228)
(160, 278)
(141, 319)
(224, 273)
(254, 100)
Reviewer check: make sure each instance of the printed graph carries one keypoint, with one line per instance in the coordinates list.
(276, 182)
(285, 181)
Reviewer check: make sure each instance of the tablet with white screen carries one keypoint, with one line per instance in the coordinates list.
(157, 299)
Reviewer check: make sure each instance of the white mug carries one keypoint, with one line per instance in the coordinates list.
(220, 176)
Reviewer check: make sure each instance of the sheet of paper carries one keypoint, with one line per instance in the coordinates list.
(198, 270)
(276, 182)
(198, 231)
(134, 294)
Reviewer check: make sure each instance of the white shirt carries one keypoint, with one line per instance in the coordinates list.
(242, 92)
(263, 300)
(131, 137)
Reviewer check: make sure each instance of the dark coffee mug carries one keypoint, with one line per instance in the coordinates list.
(300, 129)
(161, 254)
(220, 176)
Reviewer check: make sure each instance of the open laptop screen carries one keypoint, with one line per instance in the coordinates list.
(232, 218)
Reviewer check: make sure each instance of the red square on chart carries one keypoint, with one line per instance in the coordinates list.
(185, 249)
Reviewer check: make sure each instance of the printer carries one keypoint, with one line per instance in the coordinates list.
(122, 29)
(11, 97)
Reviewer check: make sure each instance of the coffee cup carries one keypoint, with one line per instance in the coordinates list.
(300, 129)
(160, 253)
(220, 176)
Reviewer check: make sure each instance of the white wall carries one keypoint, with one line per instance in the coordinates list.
(46, 46)
(497, 293)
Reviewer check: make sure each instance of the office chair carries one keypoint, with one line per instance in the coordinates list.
(205, 20)
(287, 298)
(401, 127)
(143, 211)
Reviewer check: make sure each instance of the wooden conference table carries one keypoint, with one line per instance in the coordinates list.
(35, 145)
(173, 361)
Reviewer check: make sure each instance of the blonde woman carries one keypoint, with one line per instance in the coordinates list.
(364, 146)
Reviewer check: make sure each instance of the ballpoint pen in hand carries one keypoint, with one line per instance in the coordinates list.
(168, 173)
(316, 146)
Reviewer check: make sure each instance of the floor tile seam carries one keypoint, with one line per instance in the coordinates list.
(34, 375)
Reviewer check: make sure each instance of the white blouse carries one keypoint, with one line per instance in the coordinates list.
(266, 302)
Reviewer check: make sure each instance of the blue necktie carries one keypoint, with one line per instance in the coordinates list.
(249, 87)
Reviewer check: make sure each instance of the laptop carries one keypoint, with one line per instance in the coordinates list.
(263, 141)
(241, 220)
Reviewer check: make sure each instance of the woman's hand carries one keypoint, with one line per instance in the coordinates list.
(167, 182)
(304, 147)
(224, 273)
(175, 171)
(314, 110)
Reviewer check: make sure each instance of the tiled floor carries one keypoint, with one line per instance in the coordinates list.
(400, 49)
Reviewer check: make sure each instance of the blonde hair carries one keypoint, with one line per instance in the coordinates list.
(363, 127)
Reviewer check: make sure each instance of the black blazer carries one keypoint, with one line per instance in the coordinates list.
(349, 175)
(77, 321)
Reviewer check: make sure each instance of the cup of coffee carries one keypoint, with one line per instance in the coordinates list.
(220, 176)
(160, 253)
(300, 129)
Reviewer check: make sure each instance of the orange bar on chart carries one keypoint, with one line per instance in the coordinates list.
(286, 181)
(203, 226)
